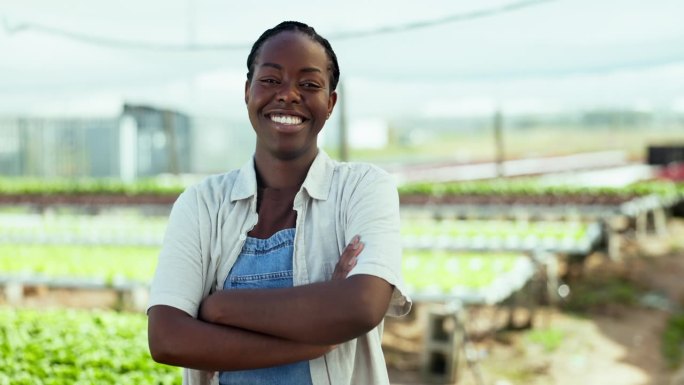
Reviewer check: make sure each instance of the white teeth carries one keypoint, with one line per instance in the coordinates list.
(286, 119)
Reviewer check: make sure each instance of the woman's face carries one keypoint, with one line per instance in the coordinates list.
(289, 98)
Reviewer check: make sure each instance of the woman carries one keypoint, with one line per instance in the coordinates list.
(282, 271)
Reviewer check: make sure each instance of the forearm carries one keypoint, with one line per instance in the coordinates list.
(177, 339)
(321, 313)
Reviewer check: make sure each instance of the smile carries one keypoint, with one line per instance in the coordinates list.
(289, 120)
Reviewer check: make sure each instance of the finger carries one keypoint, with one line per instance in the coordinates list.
(348, 259)
(356, 250)
(347, 262)
(351, 251)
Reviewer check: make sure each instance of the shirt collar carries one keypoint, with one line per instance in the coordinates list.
(319, 179)
(317, 182)
(246, 183)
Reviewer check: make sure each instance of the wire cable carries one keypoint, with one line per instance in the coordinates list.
(435, 22)
(130, 44)
(116, 43)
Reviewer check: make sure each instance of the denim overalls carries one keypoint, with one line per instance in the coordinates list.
(266, 264)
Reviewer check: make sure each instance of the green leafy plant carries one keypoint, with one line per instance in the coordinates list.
(63, 347)
(672, 344)
(550, 339)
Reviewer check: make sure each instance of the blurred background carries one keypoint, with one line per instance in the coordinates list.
(538, 147)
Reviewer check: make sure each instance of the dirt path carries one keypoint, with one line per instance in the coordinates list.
(620, 350)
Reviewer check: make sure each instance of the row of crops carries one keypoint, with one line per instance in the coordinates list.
(105, 264)
(472, 278)
(36, 187)
(428, 272)
(417, 233)
(530, 187)
(570, 237)
(510, 189)
(130, 229)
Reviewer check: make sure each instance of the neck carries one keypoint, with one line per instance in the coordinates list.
(279, 173)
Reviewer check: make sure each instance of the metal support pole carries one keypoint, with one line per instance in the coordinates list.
(343, 129)
(499, 143)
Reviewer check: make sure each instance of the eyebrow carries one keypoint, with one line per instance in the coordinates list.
(279, 67)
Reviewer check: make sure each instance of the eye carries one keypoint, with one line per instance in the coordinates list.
(312, 85)
(269, 81)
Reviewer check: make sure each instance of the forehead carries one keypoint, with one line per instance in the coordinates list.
(293, 48)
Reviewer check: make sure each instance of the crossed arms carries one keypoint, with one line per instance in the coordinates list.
(248, 329)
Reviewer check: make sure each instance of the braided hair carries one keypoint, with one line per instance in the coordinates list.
(333, 67)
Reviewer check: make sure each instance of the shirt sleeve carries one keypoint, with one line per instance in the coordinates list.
(178, 279)
(373, 213)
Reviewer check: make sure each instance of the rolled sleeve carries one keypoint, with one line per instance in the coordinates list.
(178, 279)
(373, 213)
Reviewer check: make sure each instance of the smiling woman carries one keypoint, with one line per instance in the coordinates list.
(281, 272)
(289, 97)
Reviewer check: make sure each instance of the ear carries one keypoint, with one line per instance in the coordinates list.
(247, 84)
(332, 100)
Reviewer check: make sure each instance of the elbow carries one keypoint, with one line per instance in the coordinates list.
(158, 355)
(371, 298)
(356, 306)
(163, 332)
(368, 314)
(160, 350)
(371, 318)
(168, 351)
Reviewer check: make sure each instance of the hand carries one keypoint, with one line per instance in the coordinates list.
(348, 258)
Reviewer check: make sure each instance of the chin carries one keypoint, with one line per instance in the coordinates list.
(291, 153)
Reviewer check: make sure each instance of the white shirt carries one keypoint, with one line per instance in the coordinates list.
(210, 221)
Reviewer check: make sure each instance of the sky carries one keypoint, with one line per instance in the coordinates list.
(467, 58)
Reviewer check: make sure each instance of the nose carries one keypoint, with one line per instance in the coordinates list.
(288, 92)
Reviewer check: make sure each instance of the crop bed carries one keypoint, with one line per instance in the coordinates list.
(566, 237)
(82, 229)
(67, 347)
(88, 192)
(472, 278)
(499, 197)
(102, 263)
(527, 191)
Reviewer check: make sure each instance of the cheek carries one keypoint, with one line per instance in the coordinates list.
(254, 105)
(325, 106)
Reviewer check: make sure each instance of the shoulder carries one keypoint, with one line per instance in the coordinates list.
(363, 173)
(213, 188)
(354, 182)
